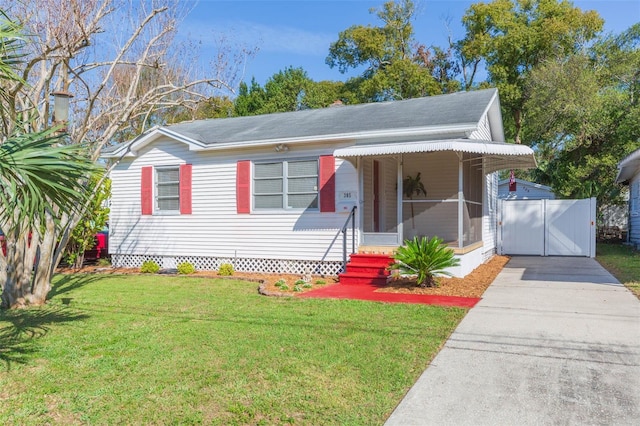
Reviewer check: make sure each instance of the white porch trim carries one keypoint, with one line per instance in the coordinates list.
(496, 155)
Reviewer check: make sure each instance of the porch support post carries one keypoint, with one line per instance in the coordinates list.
(399, 193)
(460, 201)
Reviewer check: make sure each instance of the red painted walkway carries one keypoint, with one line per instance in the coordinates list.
(367, 292)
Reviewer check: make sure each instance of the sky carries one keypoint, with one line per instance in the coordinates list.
(298, 33)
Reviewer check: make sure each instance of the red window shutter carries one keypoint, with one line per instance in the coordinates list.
(327, 183)
(185, 189)
(243, 187)
(146, 190)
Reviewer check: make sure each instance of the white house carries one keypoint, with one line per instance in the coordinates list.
(524, 190)
(629, 174)
(273, 192)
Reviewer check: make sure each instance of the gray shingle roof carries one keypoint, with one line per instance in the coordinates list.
(462, 108)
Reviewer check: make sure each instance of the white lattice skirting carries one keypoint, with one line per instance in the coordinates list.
(202, 263)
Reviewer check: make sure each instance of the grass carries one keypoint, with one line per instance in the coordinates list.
(184, 350)
(623, 262)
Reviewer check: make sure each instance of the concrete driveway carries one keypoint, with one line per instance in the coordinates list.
(555, 341)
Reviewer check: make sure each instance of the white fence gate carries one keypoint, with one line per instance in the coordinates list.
(547, 227)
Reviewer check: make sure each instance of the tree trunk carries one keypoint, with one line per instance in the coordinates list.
(27, 268)
(517, 118)
(44, 272)
(17, 291)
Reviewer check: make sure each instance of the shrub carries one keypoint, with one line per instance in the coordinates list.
(186, 268)
(426, 258)
(103, 261)
(226, 269)
(149, 267)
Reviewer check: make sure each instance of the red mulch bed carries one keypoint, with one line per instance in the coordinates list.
(472, 286)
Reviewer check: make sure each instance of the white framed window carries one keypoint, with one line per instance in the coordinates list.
(167, 189)
(290, 184)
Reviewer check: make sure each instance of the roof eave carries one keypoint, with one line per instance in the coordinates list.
(379, 136)
(131, 148)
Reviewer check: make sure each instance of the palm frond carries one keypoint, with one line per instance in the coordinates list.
(425, 258)
(37, 173)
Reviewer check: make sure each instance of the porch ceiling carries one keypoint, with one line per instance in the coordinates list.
(495, 155)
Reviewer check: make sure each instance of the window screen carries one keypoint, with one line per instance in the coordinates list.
(168, 189)
(286, 185)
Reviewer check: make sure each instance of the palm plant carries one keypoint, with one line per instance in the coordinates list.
(413, 186)
(37, 170)
(425, 258)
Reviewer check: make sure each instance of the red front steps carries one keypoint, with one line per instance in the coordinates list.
(366, 269)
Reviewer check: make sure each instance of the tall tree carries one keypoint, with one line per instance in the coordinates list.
(122, 63)
(393, 69)
(38, 173)
(584, 116)
(289, 90)
(514, 36)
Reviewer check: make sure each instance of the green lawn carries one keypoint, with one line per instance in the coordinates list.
(160, 349)
(623, 262)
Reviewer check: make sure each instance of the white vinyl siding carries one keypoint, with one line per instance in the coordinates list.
(214, 228)
(634, 210)
(484, 130)
(167, 189)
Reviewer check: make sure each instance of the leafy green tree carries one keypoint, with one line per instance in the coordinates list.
(584, 116)
(290, 90)
(283, 91)
(514, 36)
(321, 94)
(94, 220)
(425, 258)
(375, 47)
(393, 70)
(213, 107)
(250, 99)
(443, 66)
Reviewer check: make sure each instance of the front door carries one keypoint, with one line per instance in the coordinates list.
(380, 203)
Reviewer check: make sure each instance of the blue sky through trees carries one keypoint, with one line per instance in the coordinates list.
(298, 32)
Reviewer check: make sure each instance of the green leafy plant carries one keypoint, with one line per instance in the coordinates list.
(149, 267)
(297, 288)
(280, 283)
(225, 270)
(307, 285)
(425, 258)
(94, 219)
(300, 282)
(320, 282)
(103, 261)
(186, 268)
(284, 287)
(413, 186)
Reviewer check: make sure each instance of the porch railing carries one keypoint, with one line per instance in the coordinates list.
(352, 219)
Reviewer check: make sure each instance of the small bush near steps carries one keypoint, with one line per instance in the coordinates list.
(149, 267)
(225, 270)
(186, 268)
